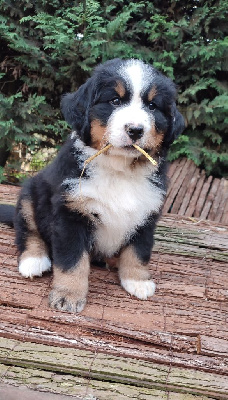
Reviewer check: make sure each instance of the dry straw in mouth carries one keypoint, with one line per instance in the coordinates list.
(145, 154)
(108, 147)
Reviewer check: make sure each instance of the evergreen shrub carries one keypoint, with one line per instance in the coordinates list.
(49, 48)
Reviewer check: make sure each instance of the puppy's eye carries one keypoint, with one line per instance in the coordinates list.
(116, 101)
(152, 106)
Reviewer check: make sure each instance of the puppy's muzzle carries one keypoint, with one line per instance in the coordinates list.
(135, 132)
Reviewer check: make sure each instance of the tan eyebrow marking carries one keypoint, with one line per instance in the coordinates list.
(120, 89)
(152, 93)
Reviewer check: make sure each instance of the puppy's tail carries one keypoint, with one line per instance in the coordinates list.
(7, 213)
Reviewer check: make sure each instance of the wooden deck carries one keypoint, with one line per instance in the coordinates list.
(193, 194)
(174, 346)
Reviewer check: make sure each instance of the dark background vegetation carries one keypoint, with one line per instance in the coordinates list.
(49, 48)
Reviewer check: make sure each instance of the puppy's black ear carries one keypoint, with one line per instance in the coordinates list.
(176, 127)
(75, 108)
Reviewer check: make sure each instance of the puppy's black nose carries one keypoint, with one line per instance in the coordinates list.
(135, 132)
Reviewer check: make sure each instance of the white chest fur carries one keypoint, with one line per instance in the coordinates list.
(121, 196)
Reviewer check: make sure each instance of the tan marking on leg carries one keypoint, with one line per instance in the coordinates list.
(35, 247)
(152, 93)
(28, 214)
(98, 134)
(120, 89)
(135, 276)
(34, 260)
(130, 266)
(70, 288)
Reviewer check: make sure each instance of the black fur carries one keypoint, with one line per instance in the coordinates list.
(7, 213)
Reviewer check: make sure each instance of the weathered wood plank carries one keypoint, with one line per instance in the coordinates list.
(224, 219)
(210, 346)
(192, 205)
(202, 197)
(183, 325)
(179, 164)
(173, 167)
(215, 206)
(183, 189)
(192, 241)
(102, 367)
(210, 198)
(189, 192)
(84, 389)
(224, 200)
(10, 392)
(175, 185)
(172, 320)
(70, 336)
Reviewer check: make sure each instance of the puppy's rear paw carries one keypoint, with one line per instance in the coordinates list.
(34, 266)
(66, 301)
(140, 289)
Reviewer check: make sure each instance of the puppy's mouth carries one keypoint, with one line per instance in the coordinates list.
(128, 147)
(131, 148)
(124, 150)
(134, 151)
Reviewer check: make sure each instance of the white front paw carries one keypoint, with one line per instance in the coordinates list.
(34, 266)
(140, 289)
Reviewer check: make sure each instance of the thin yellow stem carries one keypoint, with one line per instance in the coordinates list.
(91, 159)
(145, 154)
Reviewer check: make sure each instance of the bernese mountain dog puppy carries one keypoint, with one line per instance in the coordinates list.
(66, 219)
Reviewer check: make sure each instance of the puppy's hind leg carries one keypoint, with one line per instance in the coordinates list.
(71, 245)
(33, 259)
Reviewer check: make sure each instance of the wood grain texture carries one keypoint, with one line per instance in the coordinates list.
(174, 344)
(193, 194)
(139, 376)
(69, 386)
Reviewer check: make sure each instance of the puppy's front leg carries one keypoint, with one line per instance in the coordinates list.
(70, 288)
(70, 243)
(134, 275)
(134, 262)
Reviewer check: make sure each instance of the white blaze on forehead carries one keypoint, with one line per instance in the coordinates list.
(138, 75)
(135, 76)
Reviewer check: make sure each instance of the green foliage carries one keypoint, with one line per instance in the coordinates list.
(49, 48)
(1, 174)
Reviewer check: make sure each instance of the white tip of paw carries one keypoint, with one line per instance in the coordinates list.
(140, 289)
(34, 266)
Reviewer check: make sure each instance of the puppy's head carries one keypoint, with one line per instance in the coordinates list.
(125, 102)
